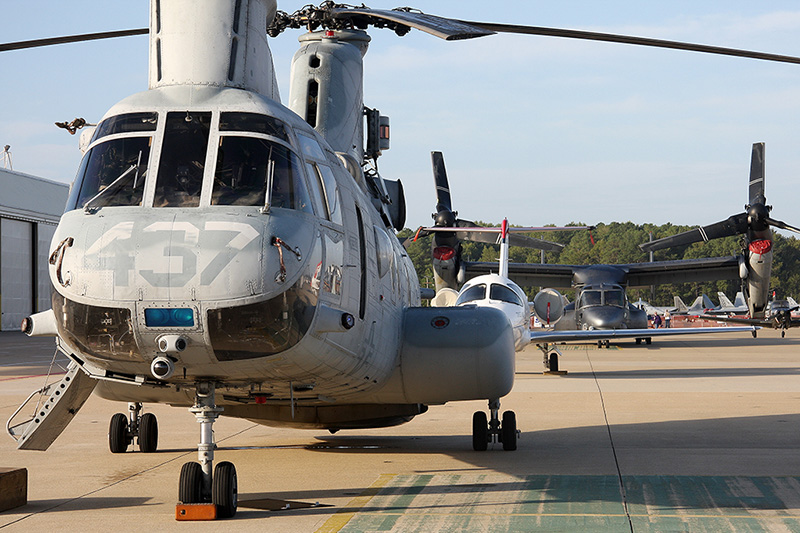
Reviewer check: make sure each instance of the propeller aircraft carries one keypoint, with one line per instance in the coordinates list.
(755, 265)
(231, 255)
(601, 311)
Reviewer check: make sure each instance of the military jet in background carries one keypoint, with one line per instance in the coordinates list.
(726, 307)
(777, 316)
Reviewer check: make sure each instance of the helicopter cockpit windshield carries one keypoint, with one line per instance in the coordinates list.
(255, 163)
(613, 296)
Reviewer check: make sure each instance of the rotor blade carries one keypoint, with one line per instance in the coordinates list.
(782, 225)
(734, 225)
(627, 39)
(533, 242)
(756, 184)
(444, 28)
(443, 200)
(21, 45)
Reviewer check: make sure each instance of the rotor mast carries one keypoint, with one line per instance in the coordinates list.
(218, 43)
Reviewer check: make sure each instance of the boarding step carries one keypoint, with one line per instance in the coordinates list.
(55, 405)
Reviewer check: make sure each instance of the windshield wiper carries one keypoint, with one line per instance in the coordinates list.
(114, 186)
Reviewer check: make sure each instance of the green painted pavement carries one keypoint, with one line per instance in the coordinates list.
(497, 502)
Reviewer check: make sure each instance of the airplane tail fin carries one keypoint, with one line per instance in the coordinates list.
(723, 300)
(740, 300)
(679, 305)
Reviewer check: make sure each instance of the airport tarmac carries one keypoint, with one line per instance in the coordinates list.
(690, 434)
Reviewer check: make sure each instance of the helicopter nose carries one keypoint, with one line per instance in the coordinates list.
(603, 318)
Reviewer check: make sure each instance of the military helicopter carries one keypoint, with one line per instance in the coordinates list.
(601, 310)
(222, 252)
(755, 265)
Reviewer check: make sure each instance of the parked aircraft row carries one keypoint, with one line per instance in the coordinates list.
(231, 255)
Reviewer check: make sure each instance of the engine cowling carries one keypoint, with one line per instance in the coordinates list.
(548, 306)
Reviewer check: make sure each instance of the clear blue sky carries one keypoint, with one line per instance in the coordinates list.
(536, 129)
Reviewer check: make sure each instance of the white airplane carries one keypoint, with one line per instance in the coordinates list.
(228, 254)
(498, 291)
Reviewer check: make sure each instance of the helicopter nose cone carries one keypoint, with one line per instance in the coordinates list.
(603, 318)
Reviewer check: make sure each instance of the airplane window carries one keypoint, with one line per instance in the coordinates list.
(255, 123)
(127, 123)
(104, 332)
(504, 294)
(183, 160)
(267, 328)
(476, 292)
(243, 167)
(310, 147)
(383, 249)
(590, 298)
(615, 297)
(112, 173)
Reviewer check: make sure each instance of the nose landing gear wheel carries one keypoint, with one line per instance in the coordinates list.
(190, 486)
(118, 437)
(148, 433)
(225, 490)
(509, 431)
(480, 431)
(553, 362)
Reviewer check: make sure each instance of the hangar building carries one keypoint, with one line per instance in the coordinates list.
(30, 208)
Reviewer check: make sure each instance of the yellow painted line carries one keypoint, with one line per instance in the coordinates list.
(336, 522)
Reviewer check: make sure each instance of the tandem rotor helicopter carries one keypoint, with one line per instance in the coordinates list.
(225, 253)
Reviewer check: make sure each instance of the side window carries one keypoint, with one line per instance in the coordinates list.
(334, 265)
(316, 189)
(503, 294)
(383, 249)
(476, 292)
(331, 190)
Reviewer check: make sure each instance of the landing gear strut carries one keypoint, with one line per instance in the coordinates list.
(122, 430)
(201, 482)
(550, 359)
(485, 431)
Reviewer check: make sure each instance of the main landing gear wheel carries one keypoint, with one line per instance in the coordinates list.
(489, 430)
(190, 487)
(755, 334)
(783, 333)
(225, 490)
(118, 437)
(148, 433)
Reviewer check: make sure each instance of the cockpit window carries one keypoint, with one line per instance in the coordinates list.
(112, 173)
(245, 167)
(127, 123)
(255, 123)
(503, 294)
(591, 298)
(476, 292)
(615, 297)
(183, 159)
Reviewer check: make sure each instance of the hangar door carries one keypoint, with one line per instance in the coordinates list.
(16, 282)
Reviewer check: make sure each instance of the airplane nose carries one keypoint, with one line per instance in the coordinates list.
(603, 317)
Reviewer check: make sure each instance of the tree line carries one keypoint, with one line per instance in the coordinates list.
(618, 242)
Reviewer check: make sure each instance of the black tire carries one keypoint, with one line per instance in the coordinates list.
(755, 334)
(509, 431)
(648, 341)
(638, 341)
(480, 431)
(118, 438)
(190, 486)
(148, 433)
(783, 334)
(225, 489)
(553, 362)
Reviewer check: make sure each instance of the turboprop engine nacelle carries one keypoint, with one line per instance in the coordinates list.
(548, 305)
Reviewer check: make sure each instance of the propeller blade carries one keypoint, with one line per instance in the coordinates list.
(21, 45)
(782, 225)
(443, 200)
(756, 184)
(444, 28)
(733, 225)
(628, 39)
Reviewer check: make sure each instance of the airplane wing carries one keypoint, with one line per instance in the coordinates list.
(540, 337)
(683, 271)
(530, 274)
(637, 274)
